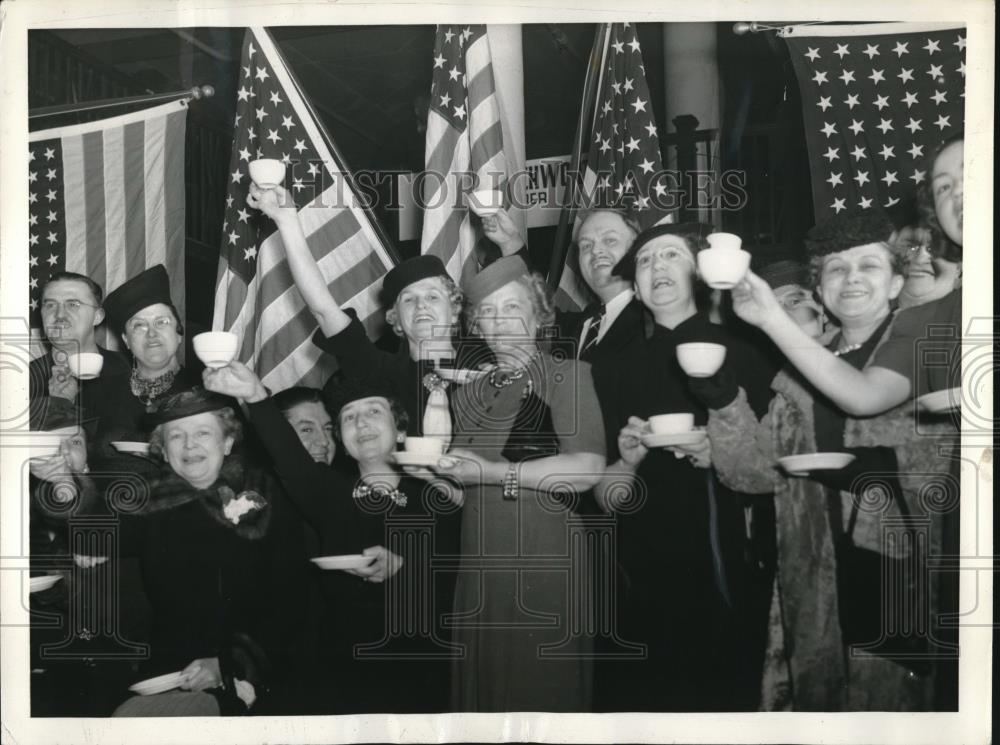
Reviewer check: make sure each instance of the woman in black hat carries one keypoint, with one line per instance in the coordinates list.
(379, 512)
(676, 544)
(423, 308)
(841, 530)
(142, 314)
(220, 564)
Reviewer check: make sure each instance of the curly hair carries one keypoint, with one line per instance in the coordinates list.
(850, 229)
(455, 297)
(231, 427)
(941, 245)
(541, 304)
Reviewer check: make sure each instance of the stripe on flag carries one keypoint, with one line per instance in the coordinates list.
(464, 136)
(103, 203)
(255, 296)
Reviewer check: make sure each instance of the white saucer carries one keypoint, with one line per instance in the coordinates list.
(940, 402)
(347, 561)
(138, 448)
(38, 584)
(674, 438)
(426, 460)
(801, 465)
(159, 684)
(461, 377)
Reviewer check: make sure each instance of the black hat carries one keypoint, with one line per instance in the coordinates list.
(188, 403)
(144, 289)
(49, 413)
(689, 230)
(408, 272)
(338, 395)
(784, 272)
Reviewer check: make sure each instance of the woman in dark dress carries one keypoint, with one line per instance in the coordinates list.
(141, 313)
(381, 646)
(677, 597)
(220, 564)
(528, 436)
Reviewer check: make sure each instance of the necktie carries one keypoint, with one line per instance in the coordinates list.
(590, 338)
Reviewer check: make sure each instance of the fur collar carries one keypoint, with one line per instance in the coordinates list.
(237, 500)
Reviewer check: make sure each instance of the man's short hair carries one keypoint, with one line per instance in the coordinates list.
(585, 214)
(63, 276)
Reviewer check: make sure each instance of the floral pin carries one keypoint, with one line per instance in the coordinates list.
(241, 504)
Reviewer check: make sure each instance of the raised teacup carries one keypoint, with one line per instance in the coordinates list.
(723, 268)
(700, 359)
(267, 172)
(486, 202)
(85, 365)
(216, 348)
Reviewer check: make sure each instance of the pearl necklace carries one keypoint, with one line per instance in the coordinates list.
(848, 349)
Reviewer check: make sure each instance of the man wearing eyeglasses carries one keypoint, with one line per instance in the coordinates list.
(71, 312)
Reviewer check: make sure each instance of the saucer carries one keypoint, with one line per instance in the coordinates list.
(346, 561)
(673, 438)
(426, 460)
(801, 465)
(940, 402)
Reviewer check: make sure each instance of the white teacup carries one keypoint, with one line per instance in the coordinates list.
(85, 365)
(424, 445)
(216, 348)
(45, 444)
(671, 424)
(267, 172)
(725, 241)
(723, 268)
(486, 202)
(700, 359)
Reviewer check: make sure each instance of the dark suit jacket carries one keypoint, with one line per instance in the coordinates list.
(604, 358)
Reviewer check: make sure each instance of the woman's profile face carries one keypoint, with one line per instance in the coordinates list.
(506, 317)
(857, 284)
(946, 179)
(195, 447)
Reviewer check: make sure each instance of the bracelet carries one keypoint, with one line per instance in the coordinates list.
(509, 483)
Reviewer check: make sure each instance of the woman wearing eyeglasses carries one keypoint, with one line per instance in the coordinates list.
(141, 313)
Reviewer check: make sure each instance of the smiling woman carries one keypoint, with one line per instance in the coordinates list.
(221, 563)
(141, 313)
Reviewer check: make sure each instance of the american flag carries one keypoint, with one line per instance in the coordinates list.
(876, 100)
(624, 168)
(255, 296)
(106, 199)
(464, 135)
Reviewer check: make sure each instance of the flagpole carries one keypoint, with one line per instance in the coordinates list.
(598, 54)
(198, 92)
(390, 247)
